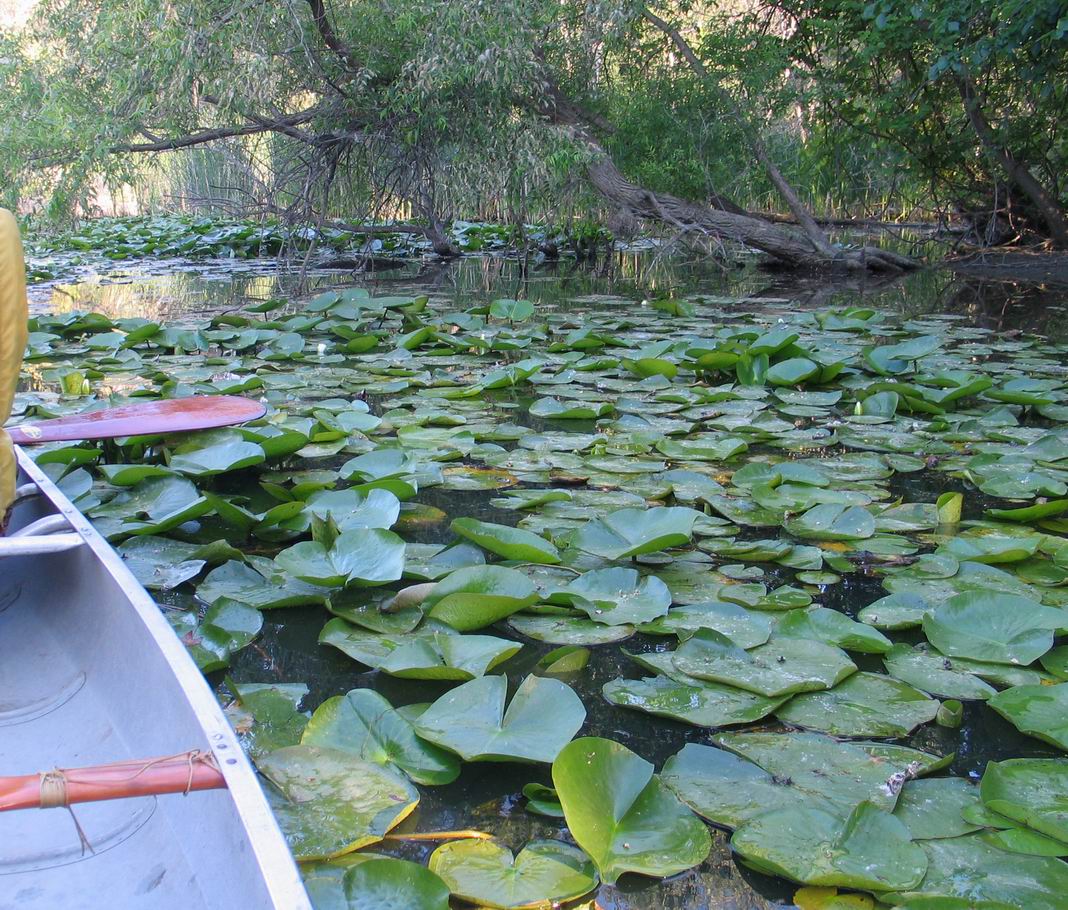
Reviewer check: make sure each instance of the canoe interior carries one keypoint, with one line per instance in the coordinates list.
(91, 673)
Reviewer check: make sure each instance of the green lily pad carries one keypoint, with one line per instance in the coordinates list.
(703, 704)
(746, 628)
(832, 521)
(1033, 791)
(239, 581)
(226, 627)
(932, 808)
(436, 652)
(632, 532)
(330, 802)
(780, 667)
(992, 627)
(160, 563)
(379, 883)
(364, 723)
(477, 596)
(870, 850)
(832, 628)
(621, 813)
(471, 720)
(268, 716)
(935, 673)
(568, 630)
(895, 611)
(1039, 711)
(616, 596)
(511, 543)
(215, 452)
(866, 704)
(968, 868)
(364, 557)
(541, 876)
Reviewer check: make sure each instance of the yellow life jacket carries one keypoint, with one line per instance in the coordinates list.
(13, 316)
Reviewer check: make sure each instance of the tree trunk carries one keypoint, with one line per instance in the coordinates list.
(1048, 206)
(784, 245)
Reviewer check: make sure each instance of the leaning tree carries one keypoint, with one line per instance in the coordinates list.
(371, 102)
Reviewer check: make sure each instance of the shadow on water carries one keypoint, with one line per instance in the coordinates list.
(487, 797)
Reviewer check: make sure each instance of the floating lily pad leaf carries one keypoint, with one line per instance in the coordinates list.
(1032, 791)
(997, 628)
(439, 652)
(780, 667)
(572, 410)
(355, 605)
(866, 704)
(215, 452)
(568, 630)
(815, 898)
(511, 543)
(969, 869)
(932, 808)
(128, 475)
(832, 521)
(542, 800)
(530, 499)
(351, 510)
(1004, 675)
(991, 548)
(703, 448)
(242, 582)
(703, 704)
(832, 628)
(267, 716)
(430, 562)
(332, 802)
(896, 358)
(1039, 711)
(910, 516)
(1026, 841)
(364, 557)
(782, 598)
(895, 611)
(621, 813)
(793, 371)
(563, 661)
(871, 850)
(478, 596)
(746, 628)
(378, 883)
(160, 563)
(227, 627)
(541, 876)
(471, 720)
(632, 532)
(616, 596)
(364, 723)
(935, 673)
(1030, 513)
(1056, 662)
(773, 770)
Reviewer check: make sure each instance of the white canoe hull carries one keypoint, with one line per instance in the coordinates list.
(91, 673)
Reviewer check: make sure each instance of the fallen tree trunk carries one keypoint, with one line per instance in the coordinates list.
(786, 246)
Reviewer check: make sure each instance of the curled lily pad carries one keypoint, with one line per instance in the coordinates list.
(364, 723)
(471, 720)
(866, 704)
(703, 704)
(511, 543)
(541, 876)
(1039, 711)
(632, 532)
(621, 813)
(332, 802)
(617, 596)
(542, 800)
(477, 596)
(1032, 791)
(435, 652)
(780, 667)
(870, 850)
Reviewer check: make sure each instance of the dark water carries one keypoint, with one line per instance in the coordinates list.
(487, 796)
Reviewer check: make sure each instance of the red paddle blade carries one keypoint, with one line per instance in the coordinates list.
(170, 774)
(171, 415)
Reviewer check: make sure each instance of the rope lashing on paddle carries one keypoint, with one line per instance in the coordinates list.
(54, 792)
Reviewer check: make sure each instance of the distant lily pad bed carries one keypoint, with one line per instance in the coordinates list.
(806, 556)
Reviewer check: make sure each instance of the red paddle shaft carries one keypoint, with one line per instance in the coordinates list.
(171, 415)
(149, 777)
